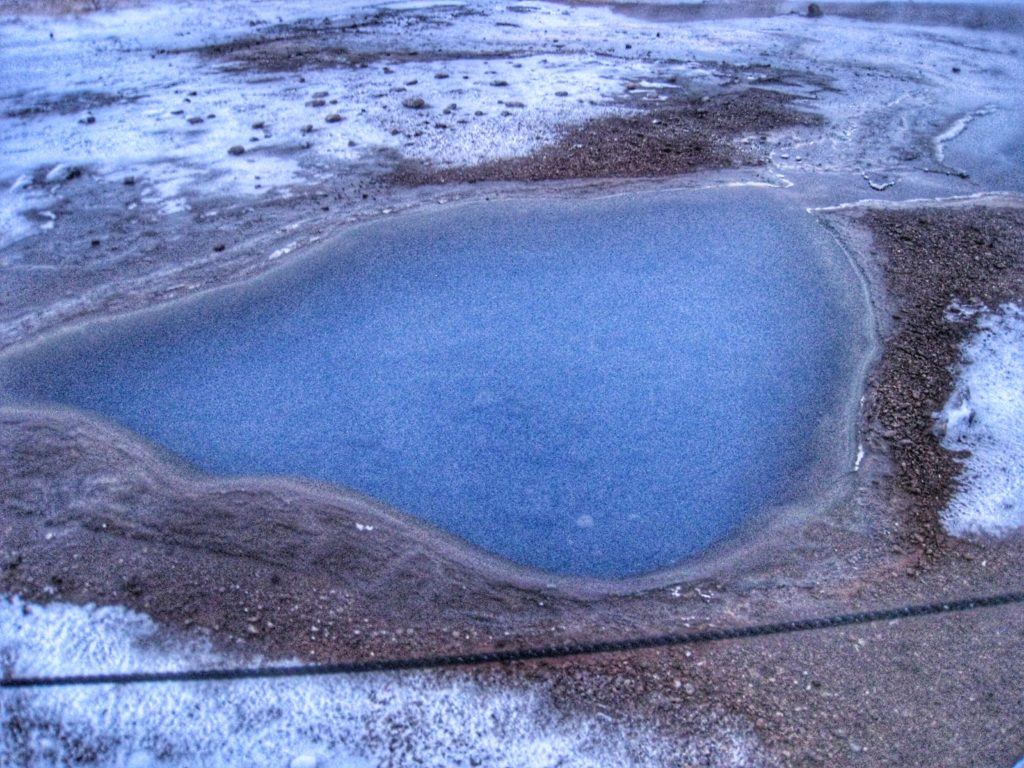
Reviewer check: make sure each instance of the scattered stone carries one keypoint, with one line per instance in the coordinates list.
(388, 71)
(238, 149)
(814, 11)
(321, 95)
(515, 104)
(87, 120)
(334, 117)
(306, 129)
(499, 83)
(95, 243)
(414, 102)
(956, 70)
(411, 82)
(441, 75)
(258, 125)
(219, 247)
(316, 103)
(561, 93)
(129, 181)
(195, 120)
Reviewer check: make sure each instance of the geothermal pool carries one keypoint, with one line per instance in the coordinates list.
(597, 388)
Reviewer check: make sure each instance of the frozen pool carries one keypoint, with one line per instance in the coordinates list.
(599, 388)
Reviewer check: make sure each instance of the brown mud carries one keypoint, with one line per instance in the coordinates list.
(680, 135)
(291, 569)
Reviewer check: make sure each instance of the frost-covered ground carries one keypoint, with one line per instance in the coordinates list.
(143, 93)
(343, 722)
(985, 416)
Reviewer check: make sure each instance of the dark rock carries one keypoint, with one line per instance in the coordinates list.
(814, 11)
(316, 103)
(195, 120)
(258, 124)
(499, 83)
(414, 102)
(219, 247)
(238, 149)
(306, 129)
(334, 118)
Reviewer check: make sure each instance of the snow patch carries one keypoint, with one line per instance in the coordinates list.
(956, 128)
(985, 416)
(338, 722)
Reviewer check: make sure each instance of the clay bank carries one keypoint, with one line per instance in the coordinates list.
(598, 387)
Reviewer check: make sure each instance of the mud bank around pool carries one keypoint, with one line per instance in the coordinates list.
(288, 569)
(615, 388)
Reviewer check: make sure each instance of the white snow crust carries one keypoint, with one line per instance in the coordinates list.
(341, 722)
(985, 416)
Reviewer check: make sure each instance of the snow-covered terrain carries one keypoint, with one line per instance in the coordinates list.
(985, 416)
(145, 93)
(351, 722)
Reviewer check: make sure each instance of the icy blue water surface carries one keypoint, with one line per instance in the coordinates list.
(598, 388)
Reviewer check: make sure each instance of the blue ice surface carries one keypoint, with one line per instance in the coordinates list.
(598, 387)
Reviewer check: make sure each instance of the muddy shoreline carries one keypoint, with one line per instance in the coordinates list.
(283, 569)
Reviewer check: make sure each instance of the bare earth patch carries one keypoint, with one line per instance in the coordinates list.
(664, 138)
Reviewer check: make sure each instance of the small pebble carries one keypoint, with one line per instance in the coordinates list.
(238, 149)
